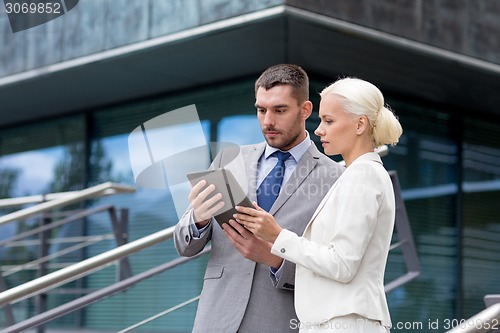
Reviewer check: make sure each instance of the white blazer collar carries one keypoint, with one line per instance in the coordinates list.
(371, 156)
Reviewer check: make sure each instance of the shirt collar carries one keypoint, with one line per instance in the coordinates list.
(297, 151)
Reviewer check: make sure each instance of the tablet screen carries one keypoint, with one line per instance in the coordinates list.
(225, 183)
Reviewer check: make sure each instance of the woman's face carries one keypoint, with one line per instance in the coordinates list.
(337, 129)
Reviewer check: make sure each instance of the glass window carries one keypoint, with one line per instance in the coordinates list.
(481, 232)
(426, 161)
(240, 130)
(35, 159)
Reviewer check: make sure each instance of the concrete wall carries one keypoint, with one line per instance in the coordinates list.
(98, 25)
(470, 27)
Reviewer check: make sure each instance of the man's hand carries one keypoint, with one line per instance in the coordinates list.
(250, 246)
(204, 209)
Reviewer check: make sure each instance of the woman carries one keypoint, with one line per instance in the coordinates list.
(342, 254)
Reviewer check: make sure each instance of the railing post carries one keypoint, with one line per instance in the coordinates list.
(405, 239)
(120, 230)
(9, 316)
(43, 251)
(490, 300)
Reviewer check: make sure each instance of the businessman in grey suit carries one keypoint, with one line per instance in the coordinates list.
(247, 289)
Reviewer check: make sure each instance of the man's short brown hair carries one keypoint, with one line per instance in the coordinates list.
(286, 74)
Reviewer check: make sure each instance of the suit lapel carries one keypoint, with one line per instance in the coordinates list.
(252, 160)
(305, 166)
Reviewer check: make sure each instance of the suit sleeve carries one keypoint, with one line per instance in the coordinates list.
(185, 244)
(354, 209)
(286, 278)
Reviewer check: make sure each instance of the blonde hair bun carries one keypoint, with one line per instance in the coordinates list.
(362, 98)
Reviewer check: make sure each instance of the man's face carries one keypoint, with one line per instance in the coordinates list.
(281, 118)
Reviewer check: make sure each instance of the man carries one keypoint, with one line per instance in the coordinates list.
(246, 288)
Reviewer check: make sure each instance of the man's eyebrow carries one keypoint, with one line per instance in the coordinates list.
(279, 106)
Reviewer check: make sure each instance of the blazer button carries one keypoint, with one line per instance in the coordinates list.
(282, 250)
(187, 238)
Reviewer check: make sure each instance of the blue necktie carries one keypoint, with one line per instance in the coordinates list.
(270, 188)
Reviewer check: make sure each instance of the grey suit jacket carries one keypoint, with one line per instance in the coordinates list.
(238, 294)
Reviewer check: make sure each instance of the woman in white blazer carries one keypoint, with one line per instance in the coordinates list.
(341, 256)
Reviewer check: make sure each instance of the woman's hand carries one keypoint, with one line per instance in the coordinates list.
(259, 222)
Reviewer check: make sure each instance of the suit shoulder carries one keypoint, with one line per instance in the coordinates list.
(328, 169)
(251, 146)
(328, 162)
(234, 150)
(244, 148)
(322, 159)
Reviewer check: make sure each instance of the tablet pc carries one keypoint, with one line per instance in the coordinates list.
(225, 183)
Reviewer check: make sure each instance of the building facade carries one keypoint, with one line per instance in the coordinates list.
(73, 89)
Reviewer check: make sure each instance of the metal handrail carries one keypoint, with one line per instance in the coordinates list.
(72, 197)
(38, 198)
(35, 263)
(61, 240)
(484, 321)
(59, 200)
(83, 268)
(74, 217)
(159, 315)
(32, 199)
(100, 294)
